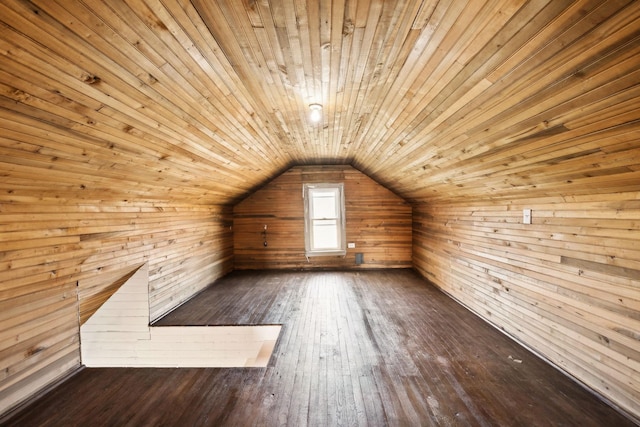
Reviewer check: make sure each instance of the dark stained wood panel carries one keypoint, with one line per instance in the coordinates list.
(565, 285)
(357, 348)
(377, 221)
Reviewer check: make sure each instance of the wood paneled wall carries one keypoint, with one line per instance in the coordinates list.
(378, 222)
(60, 258)
(565, 286)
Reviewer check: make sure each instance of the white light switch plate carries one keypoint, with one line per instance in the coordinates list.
(526, 216)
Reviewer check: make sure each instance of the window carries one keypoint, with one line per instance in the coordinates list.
(324, 219)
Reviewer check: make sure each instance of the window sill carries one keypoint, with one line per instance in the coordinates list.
(325, 253)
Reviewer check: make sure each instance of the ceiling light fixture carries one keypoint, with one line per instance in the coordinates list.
(316, 112)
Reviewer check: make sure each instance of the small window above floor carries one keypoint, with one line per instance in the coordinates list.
(324, 230)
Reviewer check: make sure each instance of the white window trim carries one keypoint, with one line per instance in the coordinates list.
(342, 239)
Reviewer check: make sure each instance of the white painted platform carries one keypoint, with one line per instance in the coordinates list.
(119, 335)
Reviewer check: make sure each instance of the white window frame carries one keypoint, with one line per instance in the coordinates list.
(310, 250)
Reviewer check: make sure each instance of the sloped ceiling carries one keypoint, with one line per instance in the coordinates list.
(205, 100)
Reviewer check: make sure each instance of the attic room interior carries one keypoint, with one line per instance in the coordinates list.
(411, 212)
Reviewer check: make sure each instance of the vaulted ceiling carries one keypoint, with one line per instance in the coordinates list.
(206, 100)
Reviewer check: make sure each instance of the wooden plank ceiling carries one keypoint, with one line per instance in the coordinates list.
(206, 100)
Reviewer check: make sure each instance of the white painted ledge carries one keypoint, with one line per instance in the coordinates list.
(119, 335)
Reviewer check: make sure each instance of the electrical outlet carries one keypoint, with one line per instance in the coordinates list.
(351, 245)
(526, 216)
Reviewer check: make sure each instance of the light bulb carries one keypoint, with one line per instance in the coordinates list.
(316, 112)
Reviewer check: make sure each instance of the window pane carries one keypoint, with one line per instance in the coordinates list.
(324, 219)
(325, 234)
(324, 204)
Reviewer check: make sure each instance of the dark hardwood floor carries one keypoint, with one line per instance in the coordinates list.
(369, 348)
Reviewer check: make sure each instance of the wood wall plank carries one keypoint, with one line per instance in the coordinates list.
(60, 258)
(566, 285)
(378, 222)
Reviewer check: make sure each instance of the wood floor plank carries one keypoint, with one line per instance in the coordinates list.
(365, 348)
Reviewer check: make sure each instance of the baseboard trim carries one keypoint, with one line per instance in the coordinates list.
(538, 354)
(17, 409)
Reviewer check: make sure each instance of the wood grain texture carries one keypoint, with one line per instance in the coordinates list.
(61, 258)
(377, 221)
(130, 129)
(566, 285)
(366, 348)
(206, 101)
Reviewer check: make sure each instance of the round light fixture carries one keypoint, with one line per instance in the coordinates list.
(316, 112)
